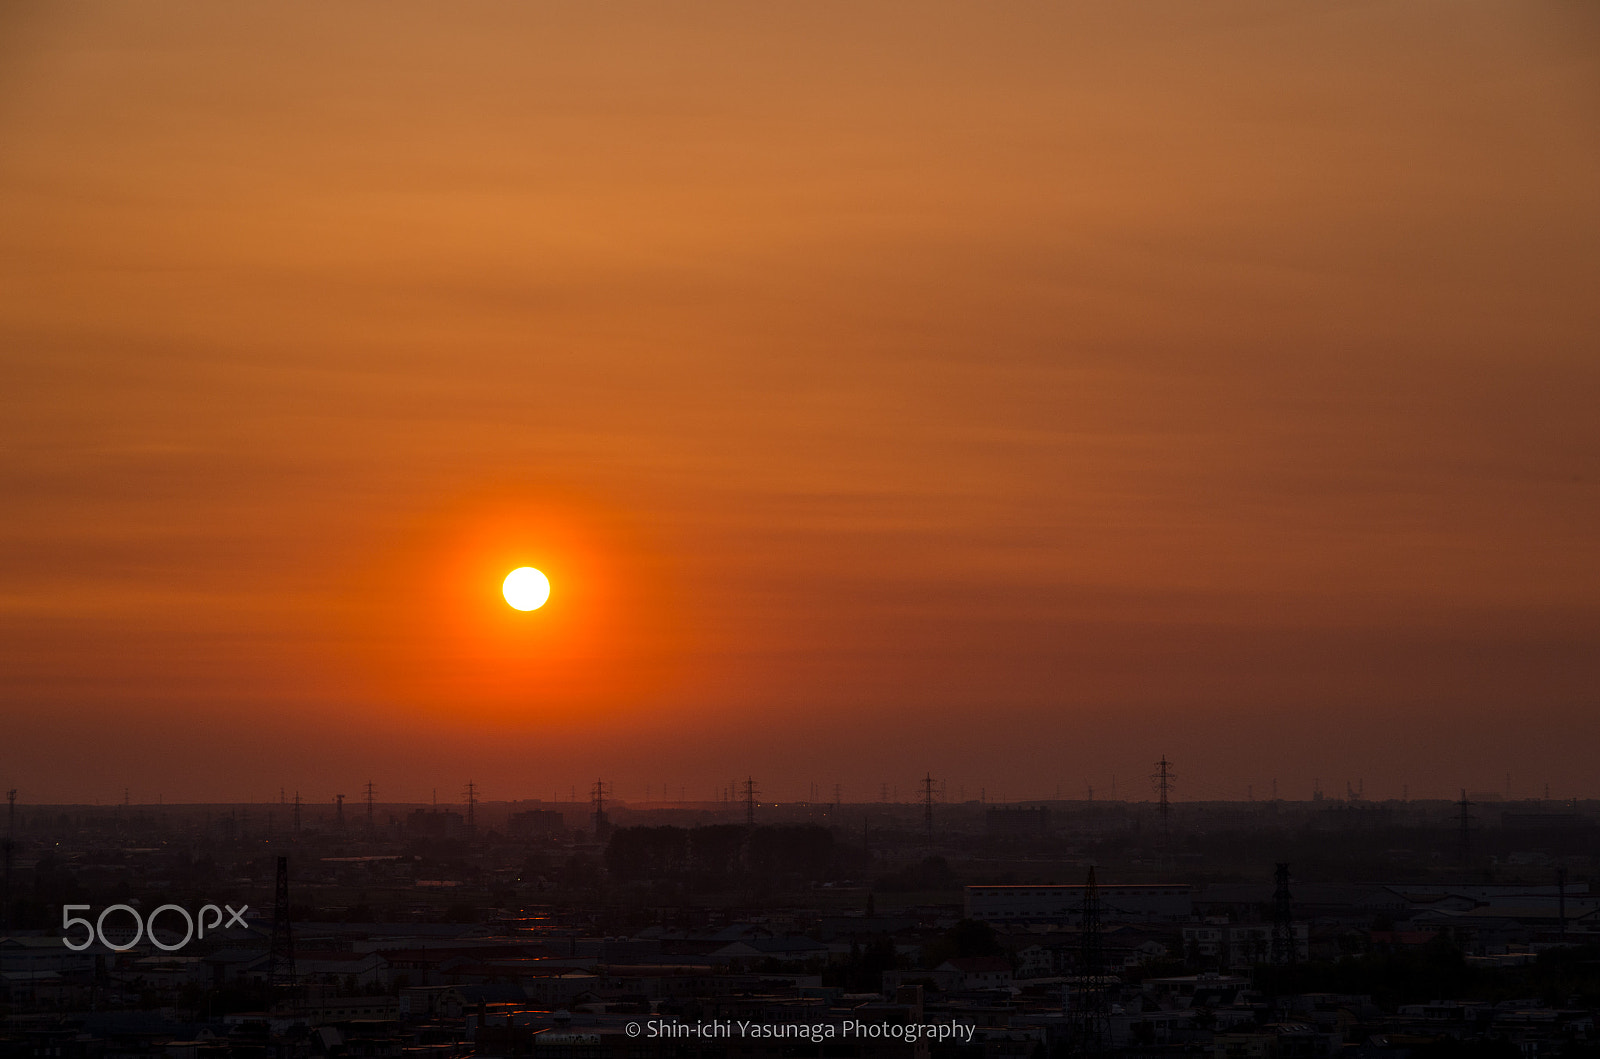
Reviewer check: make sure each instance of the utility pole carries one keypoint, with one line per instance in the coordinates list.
(927, 805)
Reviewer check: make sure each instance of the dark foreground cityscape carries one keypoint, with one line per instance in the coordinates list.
(600, 929)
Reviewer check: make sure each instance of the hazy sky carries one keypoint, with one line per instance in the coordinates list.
(1018, 392)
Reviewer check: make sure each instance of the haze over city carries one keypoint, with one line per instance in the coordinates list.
(1017, 394)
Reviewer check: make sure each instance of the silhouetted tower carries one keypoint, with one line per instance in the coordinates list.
(750, 802)
(927, 804)
(369, 805)
(1561, 898)
(472, 807)
(8, 847)
(1283, 946)
(338, 811)
(602, 826)
(297, 812)
(1162, 778)
(1088, 1017)
(280, 958)
(1465, 808)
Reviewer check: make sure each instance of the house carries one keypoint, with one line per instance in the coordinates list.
(977, 972)
(367, 970)
(757, 950)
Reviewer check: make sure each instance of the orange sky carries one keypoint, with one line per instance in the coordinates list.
(1015, 392)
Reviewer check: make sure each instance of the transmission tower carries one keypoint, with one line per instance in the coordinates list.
(1561, 898)
(369, 805)
(750, 802)
(280, 958)
(1283, 944)
(1088, 1017)
(297, 812)
(1162, 778)
(602, 827)
(927, 804)
(8, 846)
(472, 807)
(1465, 818)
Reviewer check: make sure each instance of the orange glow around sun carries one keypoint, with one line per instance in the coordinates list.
(451, 646)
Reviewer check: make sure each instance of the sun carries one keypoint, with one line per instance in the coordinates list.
(526, 588)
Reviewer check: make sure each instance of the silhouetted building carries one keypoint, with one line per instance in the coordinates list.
(1016, 820)
(537, 823)
(435, 823)
(1048, 904)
